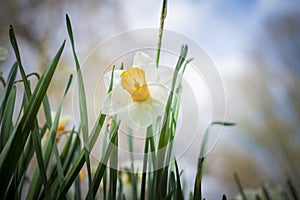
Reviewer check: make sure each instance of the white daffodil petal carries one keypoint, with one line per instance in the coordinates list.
(116, 101)
(140, 59)
(158, 93)
(165, 75)
(140, 115)
(120, 99)
(116, 78)
(125, 118)
(157, 109)
(151, 72)
(107, 105)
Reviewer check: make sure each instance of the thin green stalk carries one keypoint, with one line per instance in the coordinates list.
(179, 194)
(166, 131)
(70, 177)
(77, 193)
(292, 190)
(145, 160)
(132, 173)
(58, 164)
(34, 188)
(102, 165)
(163, 16)
(7, 89)
(63, 157)
(198, 179)
(239, 185)
(120, 191)
(266, 193)
(47, 111)
(82, 103)
(202, 158)
(7, 125)
(113, 172)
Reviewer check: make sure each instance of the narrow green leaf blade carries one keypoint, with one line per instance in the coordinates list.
(7, 124)
(7, 89)
(179, 193)
(239, 185)
(13, 149)
(82, 103)
(47, 150)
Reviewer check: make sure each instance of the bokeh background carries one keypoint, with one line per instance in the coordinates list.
(255, 45)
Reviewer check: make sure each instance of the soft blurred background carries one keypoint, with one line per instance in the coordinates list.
(255, 45)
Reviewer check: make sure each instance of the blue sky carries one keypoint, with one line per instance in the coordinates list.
(223, 28)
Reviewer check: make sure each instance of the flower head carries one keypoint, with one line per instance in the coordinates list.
(134, 82)
(63, 121)
(139, 94)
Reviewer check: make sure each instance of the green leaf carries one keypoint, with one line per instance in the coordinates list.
(120, 191)
(201, 160)
(113, 173)
(67, 152)
(7, 123)
(82, 103)
(102, 165)
(71, 158)
(198, 179)
(67, 147)
(14, 44)
(70, 177)
(266, 193)
(77, 194)
(145, 162)
(292, 190)
(179, 194)
(6, 92)
(34, 188)
(14, 147)
(23, 163)
(167, 131)
(58, 164)
(163, 16)
(47, 111)
(133, 177)
(38, 149)
(239, 185)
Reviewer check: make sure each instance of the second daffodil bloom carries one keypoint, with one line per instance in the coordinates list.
(63, 121)
(139, 94)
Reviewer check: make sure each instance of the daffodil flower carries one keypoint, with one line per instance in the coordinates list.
(63, 121)
(139, 94)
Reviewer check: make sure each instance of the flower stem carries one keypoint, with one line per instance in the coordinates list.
(161, 29)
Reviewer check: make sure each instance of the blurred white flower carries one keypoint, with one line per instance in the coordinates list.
(63, 121)
(139, 94)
